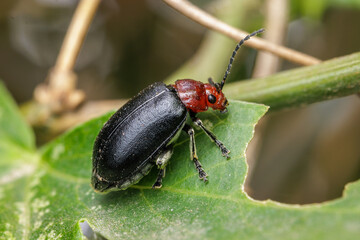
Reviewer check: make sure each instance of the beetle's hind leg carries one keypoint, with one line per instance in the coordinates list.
(161, 162)
(158, 182)
(190, 131)
(225, 152)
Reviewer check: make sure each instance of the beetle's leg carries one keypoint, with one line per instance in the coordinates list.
(158, 182)
(161, 162)
(225, 152)
(190, 131)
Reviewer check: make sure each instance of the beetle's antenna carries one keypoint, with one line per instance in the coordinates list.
(234, 53)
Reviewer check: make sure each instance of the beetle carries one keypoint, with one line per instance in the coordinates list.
(141, 134)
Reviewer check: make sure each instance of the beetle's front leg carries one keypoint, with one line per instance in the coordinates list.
(225, 152)
(190, 131)
(161, 163)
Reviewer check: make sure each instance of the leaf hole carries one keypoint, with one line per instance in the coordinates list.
(306, 155)
(89, 233)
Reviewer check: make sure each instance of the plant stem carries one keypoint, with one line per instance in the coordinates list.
(331, 79)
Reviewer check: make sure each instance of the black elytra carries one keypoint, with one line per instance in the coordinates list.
(131, 141)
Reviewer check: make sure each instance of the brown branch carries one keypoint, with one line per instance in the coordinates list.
(75, 35)
(59, 124)
(193, 12)
(89, 110)
(60, 93)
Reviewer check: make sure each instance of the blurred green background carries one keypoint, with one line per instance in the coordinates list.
(301, 155)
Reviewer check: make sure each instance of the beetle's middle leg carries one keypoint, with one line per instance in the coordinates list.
(161, 162)
(190, 131)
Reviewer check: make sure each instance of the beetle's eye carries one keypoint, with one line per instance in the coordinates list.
(211, 99)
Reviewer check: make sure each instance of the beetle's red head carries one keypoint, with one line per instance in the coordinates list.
(215, 97)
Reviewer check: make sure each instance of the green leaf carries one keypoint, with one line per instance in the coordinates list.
(50, 194)
(17, 163)
(317, 9)
(13, 129)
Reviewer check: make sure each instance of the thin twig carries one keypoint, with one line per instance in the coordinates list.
(193, 12)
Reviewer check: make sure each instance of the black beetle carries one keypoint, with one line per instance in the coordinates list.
(142, 132)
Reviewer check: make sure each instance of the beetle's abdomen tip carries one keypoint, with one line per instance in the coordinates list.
(100, 186)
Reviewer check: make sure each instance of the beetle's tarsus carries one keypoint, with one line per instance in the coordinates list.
(157, 185)
(225, 152)
(158, 182)
(202, 174)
